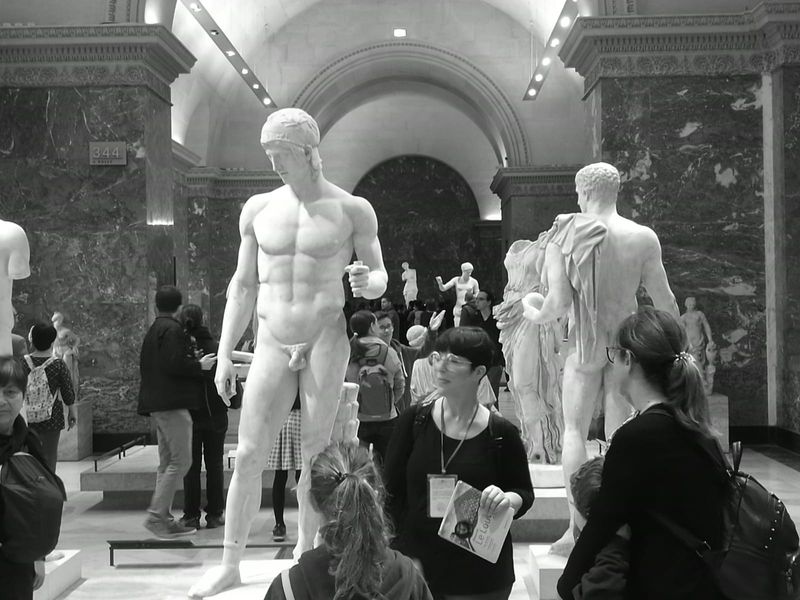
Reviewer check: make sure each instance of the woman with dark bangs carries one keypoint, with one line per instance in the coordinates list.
(354, 560)
(455, 437)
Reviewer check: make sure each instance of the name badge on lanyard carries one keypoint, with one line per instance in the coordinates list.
(440, 490)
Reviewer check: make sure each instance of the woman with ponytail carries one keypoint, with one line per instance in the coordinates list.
(657, 466)
(354, 560)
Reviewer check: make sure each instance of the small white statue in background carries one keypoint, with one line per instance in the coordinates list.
(15, 256)
(701, 341)
(66, 348)
(410, 290)
(463, 284)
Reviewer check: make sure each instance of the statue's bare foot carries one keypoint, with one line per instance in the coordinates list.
(216, 580)
(563, 546)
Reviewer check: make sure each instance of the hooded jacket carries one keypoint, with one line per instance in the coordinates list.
(311, 581)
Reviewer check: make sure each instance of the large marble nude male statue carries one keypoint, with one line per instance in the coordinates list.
(296, 243)
(14, 264)
(595, 262)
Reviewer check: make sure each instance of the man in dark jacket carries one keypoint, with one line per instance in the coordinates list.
(171, 380)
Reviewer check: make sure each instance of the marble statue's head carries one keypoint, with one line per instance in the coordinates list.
(291, 133)
(690, 303)
(404, 266)
(598, 181)
(466, 267)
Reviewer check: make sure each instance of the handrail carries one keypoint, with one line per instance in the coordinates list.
(120, 451)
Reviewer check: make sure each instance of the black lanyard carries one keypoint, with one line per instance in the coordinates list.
(441, 437)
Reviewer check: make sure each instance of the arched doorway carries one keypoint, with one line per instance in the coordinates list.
(427, 216)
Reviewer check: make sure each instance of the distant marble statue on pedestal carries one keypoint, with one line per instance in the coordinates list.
(463, 284)
(533, 362)
(15, 256)
(410, 290)
(66, 348)
(595, 262)
(701, 341)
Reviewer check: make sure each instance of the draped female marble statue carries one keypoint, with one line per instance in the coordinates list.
(296, 242)
(15, 256)
(595, 261)
(410, 289)
(533, 362)
(463, 284)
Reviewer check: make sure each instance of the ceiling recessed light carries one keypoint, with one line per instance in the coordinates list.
(195, 7)
(213, 31)
(546, 61)
(399, 33)
(531, 93)
(554, 42)
(267, 101)
(565, 22)
(538, 77)
(256, 86)
(245, 71)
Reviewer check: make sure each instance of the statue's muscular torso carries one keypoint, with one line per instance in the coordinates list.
(303, 249)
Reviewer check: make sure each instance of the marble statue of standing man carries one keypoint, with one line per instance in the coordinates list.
(410, 290)
(296, 242)
(594, 263)
(463, 284)
(15, 256)
(697, 330)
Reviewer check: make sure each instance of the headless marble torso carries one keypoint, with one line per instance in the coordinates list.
(410, 290)
(14, 264)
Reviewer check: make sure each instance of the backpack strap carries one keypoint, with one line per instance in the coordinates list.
(421, 416)
(686, 537)
(287, 585)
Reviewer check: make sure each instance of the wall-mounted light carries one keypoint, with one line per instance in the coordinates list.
(531, 92)
(195, 7)
(546, 61)
(565, 22)
(399, 33)
(267, 101)
(245, 71)
(256, 86)
(561, 29)
(554, 42)
(213, 31)
(230, 52)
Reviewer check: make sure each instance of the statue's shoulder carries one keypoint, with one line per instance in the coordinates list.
(12, 231)
(576, 230)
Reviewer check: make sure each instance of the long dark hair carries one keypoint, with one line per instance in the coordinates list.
(347, 489)
(659, 344)
(191, 317)
(360, 323)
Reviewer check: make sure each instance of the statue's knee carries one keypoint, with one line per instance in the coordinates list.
(248, 463)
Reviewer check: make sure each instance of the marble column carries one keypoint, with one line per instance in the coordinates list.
(102, 236)
(531, 197)
(689, 110)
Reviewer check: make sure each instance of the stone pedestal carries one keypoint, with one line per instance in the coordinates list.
(76, 444)
(718, 407)
(60, 575)
(545, 569)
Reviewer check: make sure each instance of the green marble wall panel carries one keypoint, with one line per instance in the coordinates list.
(690, 153)
(87, 230)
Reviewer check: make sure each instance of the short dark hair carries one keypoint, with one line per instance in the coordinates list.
(380, 314)
(42, 336)
(585, 485)
(168, 298)
(489, 295)
(12, 373)
(472, 343)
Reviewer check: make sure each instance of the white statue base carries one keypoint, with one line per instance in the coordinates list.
(76, 444)
(60, 575)
(545, 569)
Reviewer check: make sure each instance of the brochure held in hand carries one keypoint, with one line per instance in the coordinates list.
(472, 529)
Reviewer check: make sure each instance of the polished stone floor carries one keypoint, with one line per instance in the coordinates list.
(167, 575)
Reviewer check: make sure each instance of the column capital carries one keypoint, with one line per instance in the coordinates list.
(548, 181)
(127, 54)
(761, 39)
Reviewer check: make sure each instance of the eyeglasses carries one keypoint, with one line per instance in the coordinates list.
(450, 361)
(611, 352)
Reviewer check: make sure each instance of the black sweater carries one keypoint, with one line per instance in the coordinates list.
(480, 462)
(654, 464)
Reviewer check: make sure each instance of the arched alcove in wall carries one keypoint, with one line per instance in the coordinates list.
(427, 216)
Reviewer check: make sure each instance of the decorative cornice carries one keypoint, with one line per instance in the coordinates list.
(546, 180)
(107, 55)
(226, 184)
(758, 40)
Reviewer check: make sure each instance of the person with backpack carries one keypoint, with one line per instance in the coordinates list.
(662, 464)
(31, 495)
(455, 438)
(354, 559)
(377, 370)
(209, 426)
(49, 390)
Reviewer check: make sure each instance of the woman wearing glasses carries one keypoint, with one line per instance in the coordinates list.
(658, 465)
(456, 438)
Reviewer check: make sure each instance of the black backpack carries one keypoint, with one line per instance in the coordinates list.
(759, 558)
(375, 397)
(32, 498)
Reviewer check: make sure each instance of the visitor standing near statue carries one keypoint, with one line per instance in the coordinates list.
(595, 262)
(463, 283)
(296, 242)
(14, 264)
(171, 380)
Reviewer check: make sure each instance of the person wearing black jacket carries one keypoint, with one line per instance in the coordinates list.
(658, 464)
(209, 426)
(171, 380)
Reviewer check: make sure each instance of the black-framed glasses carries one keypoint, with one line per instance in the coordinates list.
(611, 352)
